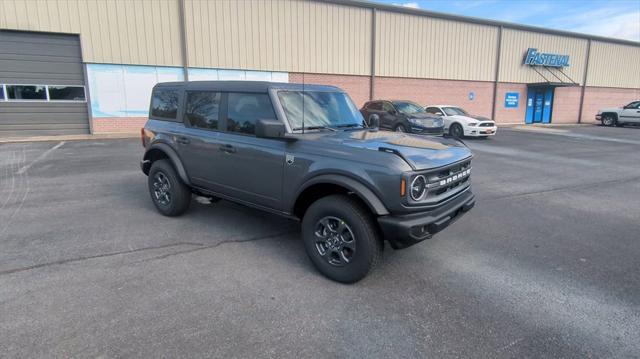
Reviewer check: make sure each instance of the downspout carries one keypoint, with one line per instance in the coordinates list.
(584, 82)
(497, 74)
(372, 79)
(183, 40)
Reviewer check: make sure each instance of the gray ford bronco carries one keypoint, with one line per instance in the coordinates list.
(304, 152)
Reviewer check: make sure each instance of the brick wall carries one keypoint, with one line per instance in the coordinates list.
(443, 92)
(511, 115)
(566, 105)
(102, 125)
(356, 86)
(596, 98)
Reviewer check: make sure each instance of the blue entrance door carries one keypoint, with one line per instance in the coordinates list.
(539, 104)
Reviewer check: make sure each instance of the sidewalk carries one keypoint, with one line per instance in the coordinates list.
(69, 137)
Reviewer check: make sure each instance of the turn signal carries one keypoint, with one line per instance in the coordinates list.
(403, 187)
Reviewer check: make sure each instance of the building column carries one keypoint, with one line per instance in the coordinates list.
(584, 82)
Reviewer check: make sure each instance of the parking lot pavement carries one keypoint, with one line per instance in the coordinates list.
(545, 265)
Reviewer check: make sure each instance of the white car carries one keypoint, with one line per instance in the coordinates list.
(458, 123)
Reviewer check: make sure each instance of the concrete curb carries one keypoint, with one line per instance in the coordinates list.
(108, 136)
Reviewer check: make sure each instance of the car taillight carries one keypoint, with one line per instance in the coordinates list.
(142, 136)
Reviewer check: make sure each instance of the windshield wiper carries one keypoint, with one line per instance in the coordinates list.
(316, 128)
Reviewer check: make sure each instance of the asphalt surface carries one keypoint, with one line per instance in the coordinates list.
(546, 265)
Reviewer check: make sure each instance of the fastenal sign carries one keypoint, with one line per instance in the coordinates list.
(535, 58)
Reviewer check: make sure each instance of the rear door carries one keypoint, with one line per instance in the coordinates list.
(199, 143)
(249, 168)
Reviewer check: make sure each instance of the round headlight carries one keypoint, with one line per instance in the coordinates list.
(418, 188)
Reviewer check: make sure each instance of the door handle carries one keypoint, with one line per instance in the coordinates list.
(227, 149)
(183, 140)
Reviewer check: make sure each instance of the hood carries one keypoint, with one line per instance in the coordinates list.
(420, 152)
(422, 115)
(471, 118)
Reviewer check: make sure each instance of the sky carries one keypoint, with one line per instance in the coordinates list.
(610, 18)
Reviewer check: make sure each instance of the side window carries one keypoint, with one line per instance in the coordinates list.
(376, 106)
(202, 109)
(386, 107)
(244, 109)
(26, 92)
(635, 104)
(164, 104)
(434, 110)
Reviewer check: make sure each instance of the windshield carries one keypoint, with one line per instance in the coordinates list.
(319, 109)
(452, 111)
(408, 107)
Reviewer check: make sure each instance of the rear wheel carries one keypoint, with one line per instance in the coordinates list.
(608, 120)
(456, 130)
(168, 193)
(341, 238)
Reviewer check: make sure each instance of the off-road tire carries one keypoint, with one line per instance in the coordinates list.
(360, 222)
(179, 193)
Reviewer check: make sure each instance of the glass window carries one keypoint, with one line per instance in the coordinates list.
(376, 106)
(635, 104)
(26, 92)
(1, 92)
(387, 107)
(434, 110)
(164, 103)
(319, 109)
(202, 109)
(66, 93)
(408, 108)
(453, 111)
(244, 109)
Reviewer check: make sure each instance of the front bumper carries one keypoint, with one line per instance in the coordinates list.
(427, 130)
(480, 131)
(407, 230)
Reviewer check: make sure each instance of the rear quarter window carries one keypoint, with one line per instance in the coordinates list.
(164, 104)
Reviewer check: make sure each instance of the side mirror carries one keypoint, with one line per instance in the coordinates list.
(270, 129)
(374, 121)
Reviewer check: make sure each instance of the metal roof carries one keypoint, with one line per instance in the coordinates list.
(476, 20)
(248, 86)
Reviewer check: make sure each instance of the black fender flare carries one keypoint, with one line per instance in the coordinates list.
(362, 191)
(173, 157)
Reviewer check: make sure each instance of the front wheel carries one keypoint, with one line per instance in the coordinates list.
(608, 120)
(340, 238)
(400, 128)
(168, 193)
(456, 130)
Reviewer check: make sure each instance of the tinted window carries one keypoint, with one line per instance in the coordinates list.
(66, 93)
(408, 107)
(1, 92)
(434, 110)
(387, 107)
(245, 109)
(634, 104)
(376, 106)
(202, 109)
(26, 92)
(164, 103)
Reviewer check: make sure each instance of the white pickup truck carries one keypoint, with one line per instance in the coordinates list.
(629, 114)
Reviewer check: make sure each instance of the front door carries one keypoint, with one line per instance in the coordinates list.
(631, 113)
(249, 168)
(538, 106)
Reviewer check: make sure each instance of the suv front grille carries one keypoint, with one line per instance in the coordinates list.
(445, 181)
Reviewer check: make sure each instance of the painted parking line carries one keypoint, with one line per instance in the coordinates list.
(46, 153)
